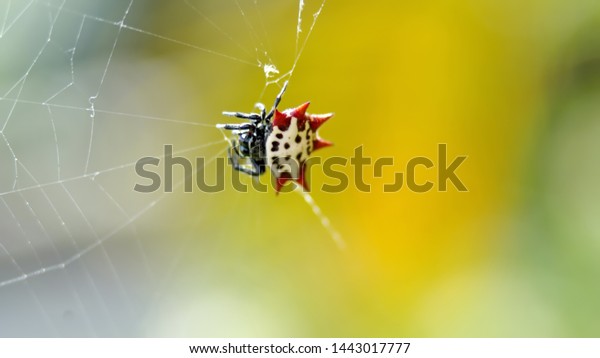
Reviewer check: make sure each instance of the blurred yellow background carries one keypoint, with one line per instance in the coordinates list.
(512, 85)
(402, 77)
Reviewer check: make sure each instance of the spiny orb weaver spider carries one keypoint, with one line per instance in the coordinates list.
(283, 144)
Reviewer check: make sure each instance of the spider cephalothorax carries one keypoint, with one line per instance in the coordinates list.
(282, 141)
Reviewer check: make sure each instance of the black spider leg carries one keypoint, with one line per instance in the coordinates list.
(236, 127)
(250, 116)
(277, 100)
(261, 108)
(234, 157)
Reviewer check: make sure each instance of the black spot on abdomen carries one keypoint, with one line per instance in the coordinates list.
(275, 146)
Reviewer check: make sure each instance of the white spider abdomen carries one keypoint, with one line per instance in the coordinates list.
(288, 149)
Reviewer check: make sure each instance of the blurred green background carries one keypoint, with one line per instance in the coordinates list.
(513, 85)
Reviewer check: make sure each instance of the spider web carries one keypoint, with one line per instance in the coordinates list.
(86, 89)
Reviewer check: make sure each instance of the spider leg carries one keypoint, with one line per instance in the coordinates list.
(277, 100)
(258, 168)
(243, 126)
(250, 116)
(261, 108)
(234, 158)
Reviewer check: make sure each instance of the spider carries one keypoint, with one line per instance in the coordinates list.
(282, 141)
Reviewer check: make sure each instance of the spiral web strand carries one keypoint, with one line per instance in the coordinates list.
(58, 202)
